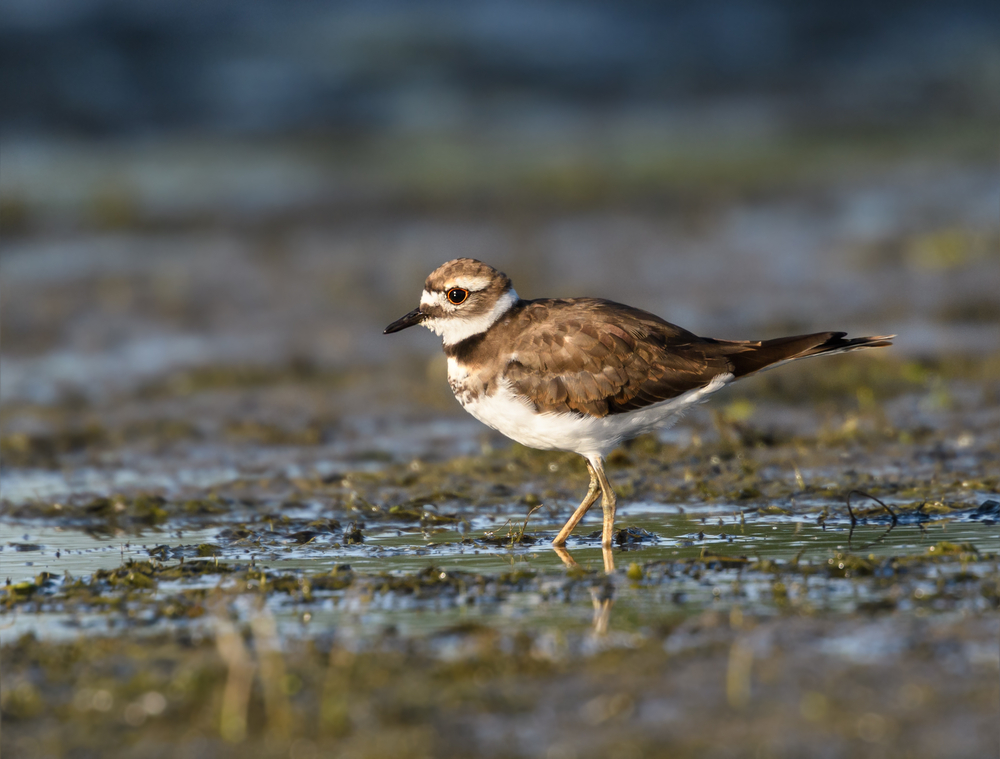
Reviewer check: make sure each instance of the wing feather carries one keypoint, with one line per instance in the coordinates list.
(596, 358)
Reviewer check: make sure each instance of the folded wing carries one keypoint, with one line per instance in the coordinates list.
(596, 358)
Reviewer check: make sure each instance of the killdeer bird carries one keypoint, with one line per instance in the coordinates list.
(583, 374)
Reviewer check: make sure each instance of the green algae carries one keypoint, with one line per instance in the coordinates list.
(396, 634)
(421, 614)
(44, 450)
(413, 598)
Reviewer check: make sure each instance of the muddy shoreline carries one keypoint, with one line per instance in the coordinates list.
(236, 520)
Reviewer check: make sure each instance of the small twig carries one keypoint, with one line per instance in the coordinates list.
(524, 526)
(854, 519)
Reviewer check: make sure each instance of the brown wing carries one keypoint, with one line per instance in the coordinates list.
(596, 357)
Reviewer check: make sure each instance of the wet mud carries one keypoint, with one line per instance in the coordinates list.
(235, 522)
(417, 609)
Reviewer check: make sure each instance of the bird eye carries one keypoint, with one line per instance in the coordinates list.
(457, 295)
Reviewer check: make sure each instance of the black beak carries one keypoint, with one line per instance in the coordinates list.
(414, 317)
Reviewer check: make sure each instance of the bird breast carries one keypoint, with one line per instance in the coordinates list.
(467, 386)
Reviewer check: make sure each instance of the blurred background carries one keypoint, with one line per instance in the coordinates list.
(199, 196)
(209, 211)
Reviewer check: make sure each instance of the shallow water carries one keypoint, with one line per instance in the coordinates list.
(658, 538)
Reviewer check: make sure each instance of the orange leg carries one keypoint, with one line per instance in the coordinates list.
(588, 501)
(609, 502)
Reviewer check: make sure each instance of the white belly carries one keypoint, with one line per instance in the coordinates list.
(587, 435)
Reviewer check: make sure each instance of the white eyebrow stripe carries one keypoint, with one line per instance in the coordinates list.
(472, 283)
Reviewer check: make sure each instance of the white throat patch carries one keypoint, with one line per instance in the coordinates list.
(455, 328)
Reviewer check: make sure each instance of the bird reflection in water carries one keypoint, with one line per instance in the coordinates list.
(602, 597)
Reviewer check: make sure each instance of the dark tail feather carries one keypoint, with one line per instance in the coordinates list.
(749, 357)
